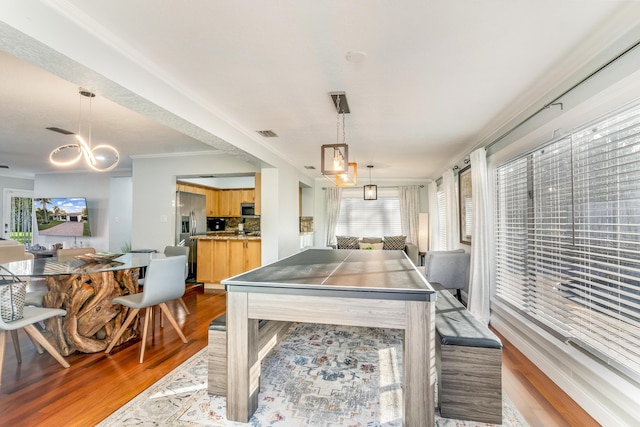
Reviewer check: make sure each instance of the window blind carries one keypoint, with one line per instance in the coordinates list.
(369, 218)
(568, 237)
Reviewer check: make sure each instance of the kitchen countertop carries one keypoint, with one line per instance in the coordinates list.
(221, 236)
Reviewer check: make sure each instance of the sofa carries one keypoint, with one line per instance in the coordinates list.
(378, 243)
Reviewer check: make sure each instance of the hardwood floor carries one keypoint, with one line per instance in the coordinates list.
(39, 392)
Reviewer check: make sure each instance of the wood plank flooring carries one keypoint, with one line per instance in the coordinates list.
(39, 392)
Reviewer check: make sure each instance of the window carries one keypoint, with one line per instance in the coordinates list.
(369, 218)
(568, 237)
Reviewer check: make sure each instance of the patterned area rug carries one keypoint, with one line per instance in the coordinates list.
(319, 375)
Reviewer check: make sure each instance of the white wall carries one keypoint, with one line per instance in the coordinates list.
(95, 187)
(154, 192)
(120, 213)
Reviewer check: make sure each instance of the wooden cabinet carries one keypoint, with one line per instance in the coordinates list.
(224, 204)
(257, 192)
(213, 201)
(220, 259)
(235, 199)
(248, 195)
(253, 255)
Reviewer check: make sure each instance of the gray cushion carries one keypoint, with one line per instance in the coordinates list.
(394, 243)
(347, 242)
(459, 327)
(371, 240)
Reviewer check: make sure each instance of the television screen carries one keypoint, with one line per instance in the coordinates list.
(65, 216)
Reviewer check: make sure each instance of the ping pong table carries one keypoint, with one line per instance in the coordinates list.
(343, 287)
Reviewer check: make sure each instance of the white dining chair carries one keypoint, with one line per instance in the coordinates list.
(164, 282)
(31, 315)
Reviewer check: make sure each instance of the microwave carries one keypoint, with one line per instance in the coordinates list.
(248, 210)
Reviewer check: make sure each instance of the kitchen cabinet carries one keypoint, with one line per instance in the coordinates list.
(257, 194)
(244, 255)
(213, 201)
(219, 259)
(235, 200)
(248, 195)
(191, 188)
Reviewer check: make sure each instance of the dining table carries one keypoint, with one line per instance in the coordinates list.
(377, 288)
(84, 288)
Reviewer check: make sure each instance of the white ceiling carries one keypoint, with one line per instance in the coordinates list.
(439, 76)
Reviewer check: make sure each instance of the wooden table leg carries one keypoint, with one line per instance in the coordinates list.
(243, 366)
(419, 364)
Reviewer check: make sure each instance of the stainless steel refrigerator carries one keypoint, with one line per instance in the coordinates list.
(191, 220)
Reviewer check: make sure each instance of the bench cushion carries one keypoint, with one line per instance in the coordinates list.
(457, 326)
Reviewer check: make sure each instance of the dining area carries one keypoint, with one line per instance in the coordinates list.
(85, 303)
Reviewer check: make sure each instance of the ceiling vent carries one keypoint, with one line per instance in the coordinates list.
(62, 131)
(267, 133)
(4, 167)
(310, 167)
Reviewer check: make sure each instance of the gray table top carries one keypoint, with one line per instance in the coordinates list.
(349, 273)
(39, 267)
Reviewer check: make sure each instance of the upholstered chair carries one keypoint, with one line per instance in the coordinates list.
(449, 268)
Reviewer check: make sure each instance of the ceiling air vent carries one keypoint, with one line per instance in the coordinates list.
(310, 167)
(62, 131)
(267, 133)
(4, 167)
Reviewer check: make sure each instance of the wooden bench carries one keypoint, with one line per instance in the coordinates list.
(468, 362)
(270, 333)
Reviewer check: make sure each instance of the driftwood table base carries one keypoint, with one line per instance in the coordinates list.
(91, 318)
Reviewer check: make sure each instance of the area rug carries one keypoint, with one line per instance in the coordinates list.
(319, 375)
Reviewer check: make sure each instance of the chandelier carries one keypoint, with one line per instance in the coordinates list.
(101, 158)
(335, 157)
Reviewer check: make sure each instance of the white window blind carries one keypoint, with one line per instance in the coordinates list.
(369, 218)
(568, 237)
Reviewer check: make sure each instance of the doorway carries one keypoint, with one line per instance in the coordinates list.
(17, 220)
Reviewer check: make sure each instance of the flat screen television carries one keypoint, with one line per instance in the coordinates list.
(62, 216)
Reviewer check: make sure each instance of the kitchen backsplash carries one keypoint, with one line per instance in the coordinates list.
(250, 224)
(306, 224)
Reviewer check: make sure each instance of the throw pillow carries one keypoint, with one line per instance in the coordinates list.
(371, 240)
(347, 242)
(371, 246)
(394, 243)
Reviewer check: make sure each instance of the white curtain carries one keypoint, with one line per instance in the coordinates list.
(434, 226)
(332, 202)
(409, 211)
(481, 239)
(451, 209)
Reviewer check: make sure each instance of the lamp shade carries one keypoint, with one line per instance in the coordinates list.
(334, 159)
(371, 192)
(423, 232)
(349, 179)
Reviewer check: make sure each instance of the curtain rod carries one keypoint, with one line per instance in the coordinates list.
(555, 100)
(382, 186)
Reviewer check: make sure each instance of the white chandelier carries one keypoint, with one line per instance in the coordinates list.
(101, 158)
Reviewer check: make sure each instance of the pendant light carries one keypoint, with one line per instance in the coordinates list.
(370, 191)
(334, 159)
(101, 158)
